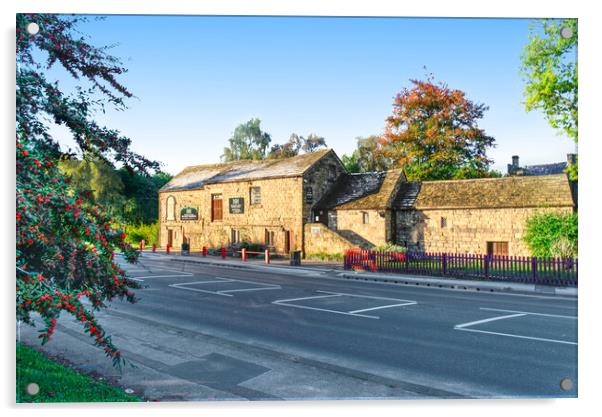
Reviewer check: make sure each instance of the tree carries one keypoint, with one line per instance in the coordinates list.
(552, 234)
(368, 156)
(247, 142)
(64, 241)
(549, 66)
(351, 162)
(433, 134)
(296, 144)
(141, 195)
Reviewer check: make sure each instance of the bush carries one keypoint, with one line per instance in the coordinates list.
(552, 235)
(389, 247)
(322, 256)
(147, 232)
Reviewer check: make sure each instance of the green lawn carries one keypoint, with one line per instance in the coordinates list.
(58, 383)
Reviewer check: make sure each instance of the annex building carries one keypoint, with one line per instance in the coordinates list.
(312, 204)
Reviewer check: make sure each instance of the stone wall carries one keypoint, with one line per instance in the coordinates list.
(280, 210)
(320, 179)
(320, 239)
(466, 230)
(350, 223)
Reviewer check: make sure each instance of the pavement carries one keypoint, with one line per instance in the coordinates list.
(206, 329)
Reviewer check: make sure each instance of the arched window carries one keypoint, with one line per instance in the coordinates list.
(171, 208)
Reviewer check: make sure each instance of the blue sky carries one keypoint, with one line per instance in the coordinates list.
(196, 78)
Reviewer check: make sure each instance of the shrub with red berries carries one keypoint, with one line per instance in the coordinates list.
(64, 241)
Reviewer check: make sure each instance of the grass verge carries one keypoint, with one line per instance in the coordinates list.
(60, 384)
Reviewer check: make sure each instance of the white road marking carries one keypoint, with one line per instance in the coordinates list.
(288, 302)
(474, 323)
(529, 313)
(185, 286)
(541, 339)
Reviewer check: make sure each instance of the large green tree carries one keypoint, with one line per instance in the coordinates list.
(247, 142)
(433, 133)
(549, 66)
(368, 156)
(64, 240)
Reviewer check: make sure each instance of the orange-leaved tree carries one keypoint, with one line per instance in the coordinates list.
(433, 134)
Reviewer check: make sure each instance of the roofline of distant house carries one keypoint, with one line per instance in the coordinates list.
(486, 207)
(507, 178)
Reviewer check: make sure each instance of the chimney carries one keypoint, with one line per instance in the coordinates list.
(571, 158)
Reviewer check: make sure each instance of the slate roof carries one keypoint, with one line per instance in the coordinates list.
(507, 192)
(545, 169)
(371, 190)
(195, 177)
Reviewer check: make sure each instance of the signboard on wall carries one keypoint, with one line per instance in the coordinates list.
(189, 213)
(255, 195)
(237, 205)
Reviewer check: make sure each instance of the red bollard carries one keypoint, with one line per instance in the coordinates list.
(204, 250)
(244, 254)
(140, 245)
(167, 248)
(267, 256)
(143, 243)
(154, 248)
(223, 253)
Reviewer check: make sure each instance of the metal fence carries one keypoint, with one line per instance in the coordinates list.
(533, 270)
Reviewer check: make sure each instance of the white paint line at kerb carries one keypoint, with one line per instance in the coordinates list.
(529, 313)
(541, 339)
(474, 323)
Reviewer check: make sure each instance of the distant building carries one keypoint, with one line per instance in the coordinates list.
(545, 169)
(311, 203)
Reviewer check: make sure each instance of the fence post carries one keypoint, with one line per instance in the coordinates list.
(267, 256)
(223, 253)
(444, 263)
(244, 254)
(534, 269)
(486, 259)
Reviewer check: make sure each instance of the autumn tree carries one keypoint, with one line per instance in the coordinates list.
(433, 134)
(64, 241)
(549, 66)
(247, 142)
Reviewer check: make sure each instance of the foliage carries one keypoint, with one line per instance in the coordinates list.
(368, 157)
(433, 133)
(247, 142)
(323, 256)
(64, 241)
(296, 144)
(351, 162)
(135, 233)
(390, 247)
(549, 65)
(58, 383)
(551, 234)
(141, 196)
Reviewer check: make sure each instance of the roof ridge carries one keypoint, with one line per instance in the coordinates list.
(510, 177)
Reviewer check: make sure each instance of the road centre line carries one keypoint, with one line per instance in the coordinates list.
(529, 313)
(541, 339)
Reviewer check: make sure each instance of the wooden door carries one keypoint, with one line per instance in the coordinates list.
(216, 207)
(170, 237)
(287, 241)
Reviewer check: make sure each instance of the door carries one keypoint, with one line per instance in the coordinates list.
(287, 241)
(216, 207)
(170, 238)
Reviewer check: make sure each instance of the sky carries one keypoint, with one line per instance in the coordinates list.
(195, 78)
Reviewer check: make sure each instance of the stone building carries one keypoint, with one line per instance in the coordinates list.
(477, 216)
(266, 202)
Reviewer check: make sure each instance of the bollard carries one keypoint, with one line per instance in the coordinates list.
(167, 248)
(154, 248)
(141, 245)
(244, 254)
(204, 250)
(223, 253)
(267, 256)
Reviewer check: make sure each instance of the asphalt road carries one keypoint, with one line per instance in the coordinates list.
(207, 332)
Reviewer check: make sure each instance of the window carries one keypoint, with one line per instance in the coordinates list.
(171, 208)
(235, 236)
(497, 248)
(255, 195)
(443, 222)
(216, 207)
(270, 238)
(365, 217)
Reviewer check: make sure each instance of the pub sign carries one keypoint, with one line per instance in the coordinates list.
(237, 205)
(189, 213)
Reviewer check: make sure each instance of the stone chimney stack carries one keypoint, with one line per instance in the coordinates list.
(513, 168)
